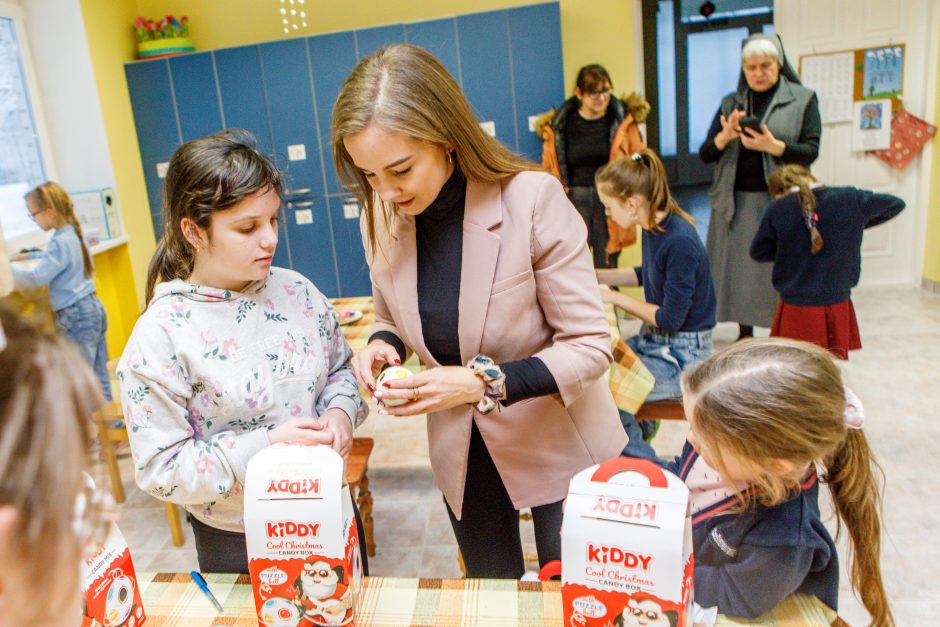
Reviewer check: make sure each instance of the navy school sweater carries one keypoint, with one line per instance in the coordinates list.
(747, 563)
(677, 276)
(828, 277)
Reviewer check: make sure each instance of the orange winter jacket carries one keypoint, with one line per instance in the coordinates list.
(625, 140)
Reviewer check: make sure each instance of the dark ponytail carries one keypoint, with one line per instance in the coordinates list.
(779, 184)
(205, 175)
(641, 173)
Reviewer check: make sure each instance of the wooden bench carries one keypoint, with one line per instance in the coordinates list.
(661, 410)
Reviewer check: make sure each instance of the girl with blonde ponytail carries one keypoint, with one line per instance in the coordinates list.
(813, 235)
(678, 313)
(66, 267)
(768, 415)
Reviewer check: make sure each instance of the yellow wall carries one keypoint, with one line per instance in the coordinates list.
(932, 239)
(597, 32)
(121, 271)
(600, 31)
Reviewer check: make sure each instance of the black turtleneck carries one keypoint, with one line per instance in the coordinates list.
(749, 173)
(439, 243)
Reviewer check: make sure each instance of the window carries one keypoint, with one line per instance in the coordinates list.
(21, 158)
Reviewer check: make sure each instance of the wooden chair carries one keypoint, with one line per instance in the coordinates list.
(358, 479)
(108, 436)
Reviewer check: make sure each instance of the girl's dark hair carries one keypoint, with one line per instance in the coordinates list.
(785, 178)
(205, 175)
(592, 76)
(52, 195)
(644, 174)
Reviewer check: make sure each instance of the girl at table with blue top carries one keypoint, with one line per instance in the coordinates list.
(231, 355)
(678, 313)
(766, 416)
(66, 267)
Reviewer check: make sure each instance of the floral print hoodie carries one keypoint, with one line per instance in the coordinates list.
(207, 373)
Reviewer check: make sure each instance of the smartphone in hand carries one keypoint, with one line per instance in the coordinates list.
(752, 122)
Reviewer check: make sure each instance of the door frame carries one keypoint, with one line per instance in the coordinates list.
(685, 168)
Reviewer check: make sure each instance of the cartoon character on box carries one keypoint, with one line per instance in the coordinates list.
(645, 610)
(317, 587)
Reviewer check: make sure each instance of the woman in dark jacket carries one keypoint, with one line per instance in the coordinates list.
(590, 129)
(784, 127)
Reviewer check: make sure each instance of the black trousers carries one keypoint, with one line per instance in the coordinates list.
(220, 551)
(589, 205)
(488, 531)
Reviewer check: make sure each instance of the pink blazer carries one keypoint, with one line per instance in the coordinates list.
(527, 287)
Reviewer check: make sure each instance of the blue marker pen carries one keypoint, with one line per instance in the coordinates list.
(201, 582)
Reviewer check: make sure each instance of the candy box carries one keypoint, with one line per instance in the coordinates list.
(109, 585)
(626, 547)
(303, 544)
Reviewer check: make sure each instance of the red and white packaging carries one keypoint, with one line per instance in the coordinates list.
(109, 586)
(303, 544)
(626, 547)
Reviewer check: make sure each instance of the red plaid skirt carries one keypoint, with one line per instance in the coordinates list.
(833, 327)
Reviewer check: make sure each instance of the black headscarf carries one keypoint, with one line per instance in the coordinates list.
(785, 68)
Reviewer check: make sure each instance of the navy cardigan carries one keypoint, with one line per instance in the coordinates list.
(828, 277)
(747, 563)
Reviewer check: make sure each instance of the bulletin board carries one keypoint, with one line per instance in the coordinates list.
(843, 77)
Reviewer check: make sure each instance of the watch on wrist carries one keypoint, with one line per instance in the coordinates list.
(494, 381)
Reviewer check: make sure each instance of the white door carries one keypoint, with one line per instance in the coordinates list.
(892, 253)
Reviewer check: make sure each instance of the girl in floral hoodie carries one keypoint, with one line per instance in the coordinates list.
(231, 355)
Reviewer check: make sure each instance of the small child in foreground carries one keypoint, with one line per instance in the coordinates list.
(765, 416)
(46, 393)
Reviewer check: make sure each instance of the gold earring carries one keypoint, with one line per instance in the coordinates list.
(450, 157)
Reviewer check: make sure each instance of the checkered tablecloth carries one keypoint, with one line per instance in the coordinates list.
(173, 599)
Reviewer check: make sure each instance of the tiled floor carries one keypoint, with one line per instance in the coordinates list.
(897, 375)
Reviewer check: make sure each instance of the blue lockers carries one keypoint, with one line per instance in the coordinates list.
(240, 79)
(508, 62)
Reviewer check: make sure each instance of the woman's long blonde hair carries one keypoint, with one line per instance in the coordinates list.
(643, 174)
(52, 195)
(404, 89)
(773, 399)
(47, 392)
(785, 178)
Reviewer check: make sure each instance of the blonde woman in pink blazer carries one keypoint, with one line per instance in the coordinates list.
(480, 267)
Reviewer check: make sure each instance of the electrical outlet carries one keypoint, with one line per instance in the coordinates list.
(296, 152)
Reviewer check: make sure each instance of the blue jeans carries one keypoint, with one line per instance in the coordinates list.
(84, 323)
(666, 355)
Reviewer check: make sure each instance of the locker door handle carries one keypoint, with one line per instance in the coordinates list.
(297, 192)
(300, 205)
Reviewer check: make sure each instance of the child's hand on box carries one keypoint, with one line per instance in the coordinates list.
(336, 421)
(302, 430)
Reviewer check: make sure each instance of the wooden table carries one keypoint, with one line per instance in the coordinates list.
(356, 333)
(173, 599)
